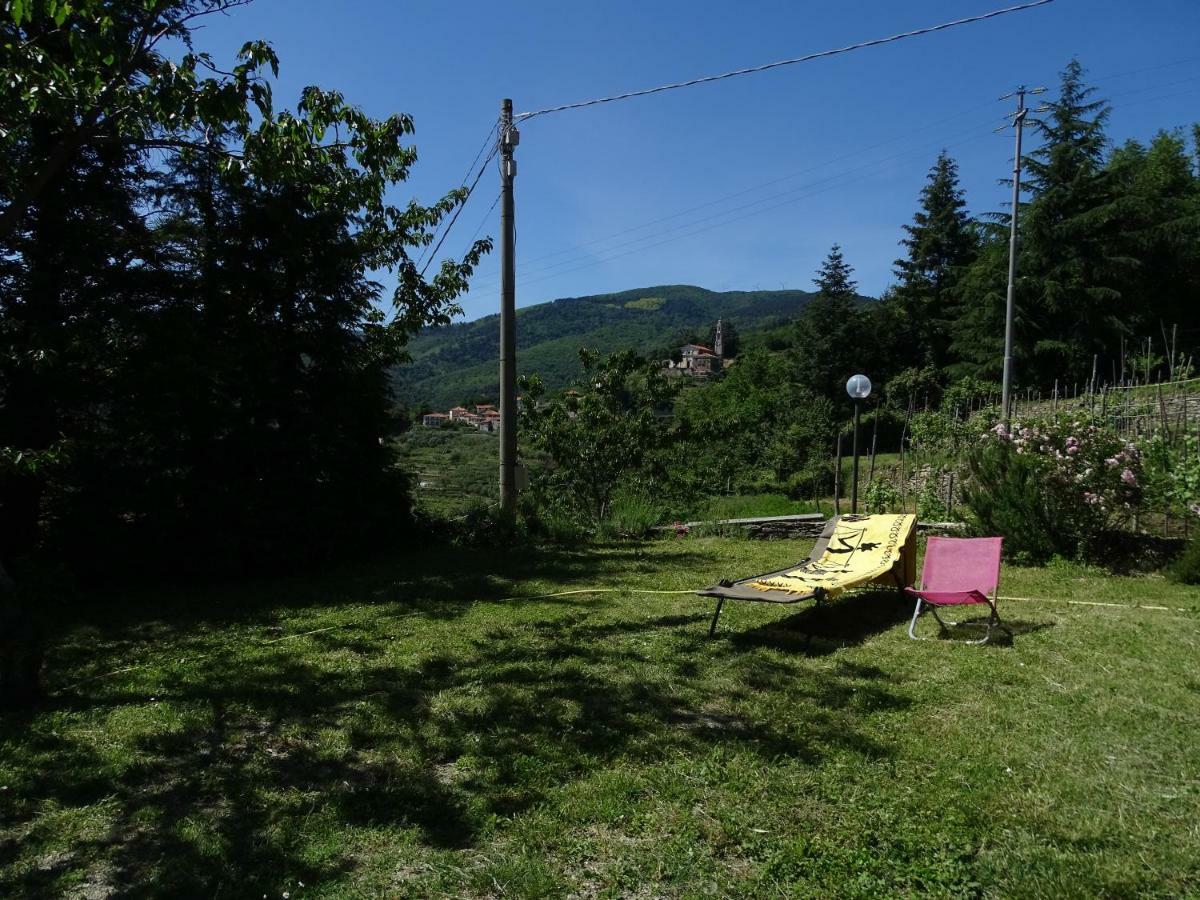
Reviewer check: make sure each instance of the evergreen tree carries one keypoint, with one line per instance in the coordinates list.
(1072, 269)
(1158, 205)
(941, 242)
(828, 331)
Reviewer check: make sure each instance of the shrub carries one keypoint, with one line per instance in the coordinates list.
(632, 515)
(1186, 569)
(1053, 487)
(881, 496)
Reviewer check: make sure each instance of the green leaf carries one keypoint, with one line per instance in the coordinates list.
(16, 9)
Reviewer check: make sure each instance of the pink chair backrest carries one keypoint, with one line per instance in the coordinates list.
(961, 564)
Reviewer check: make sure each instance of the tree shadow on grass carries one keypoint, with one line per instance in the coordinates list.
(249, 770)
(821, 629)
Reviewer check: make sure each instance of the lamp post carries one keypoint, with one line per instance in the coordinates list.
(859, 388)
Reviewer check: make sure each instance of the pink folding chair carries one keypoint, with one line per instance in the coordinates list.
(959, 572)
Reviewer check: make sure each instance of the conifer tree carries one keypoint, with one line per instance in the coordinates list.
(827, 334)
(941, 242)
(1072, 269)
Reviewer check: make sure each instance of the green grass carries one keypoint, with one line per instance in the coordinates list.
(404, 730)
(452, 468)
(748, 506)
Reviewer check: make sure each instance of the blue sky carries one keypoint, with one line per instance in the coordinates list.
(740, 184)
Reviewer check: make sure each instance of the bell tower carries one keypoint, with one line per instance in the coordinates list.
(719, 341)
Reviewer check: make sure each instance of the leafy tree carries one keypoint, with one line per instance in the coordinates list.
(756, 426)
(1157, 203)
(1072, 268)
(1072, 264)
(196, 359)
(606, 435)
(84, 74)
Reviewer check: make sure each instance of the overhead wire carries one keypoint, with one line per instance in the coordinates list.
(489, 140)
(521, 117)
(722, 217)
(838, 183)
(576, 249)
(458, 210)
(487, 215)
(749, 190)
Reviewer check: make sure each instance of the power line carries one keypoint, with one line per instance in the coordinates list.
(785, 62)
(722, 216)
(573, 250)
(600, 240)
(488, 140)
(487, 280)
(461, 207)
(716, 224)
(487, 215)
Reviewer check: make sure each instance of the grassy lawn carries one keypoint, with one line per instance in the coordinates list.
(405, 730)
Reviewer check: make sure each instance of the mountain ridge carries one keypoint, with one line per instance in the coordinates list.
(456, 363)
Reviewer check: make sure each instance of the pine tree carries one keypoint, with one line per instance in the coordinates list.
(1158, 206)
(1072, 269)
(1070, 302)
(941, 242)
(828, 332)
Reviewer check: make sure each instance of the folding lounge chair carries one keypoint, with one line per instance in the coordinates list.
(853, 551)
(959, 572)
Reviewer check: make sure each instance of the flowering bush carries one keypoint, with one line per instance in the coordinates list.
(1054, 486)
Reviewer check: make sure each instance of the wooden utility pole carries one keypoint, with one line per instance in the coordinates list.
(509, 138)
(1009, 310)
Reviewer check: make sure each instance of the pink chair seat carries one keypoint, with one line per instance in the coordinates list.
(949, 598)
(959, 572)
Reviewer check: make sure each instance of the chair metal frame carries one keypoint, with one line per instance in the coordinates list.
(993, 621)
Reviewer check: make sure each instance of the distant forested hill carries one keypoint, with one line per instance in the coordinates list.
(459, 363)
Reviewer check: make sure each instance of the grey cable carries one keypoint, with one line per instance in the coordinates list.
(459, 209)
(784, 62)
(488, 141)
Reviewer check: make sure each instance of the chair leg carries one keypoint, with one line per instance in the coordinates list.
(912, 626)
(993, 623)
(712, 629)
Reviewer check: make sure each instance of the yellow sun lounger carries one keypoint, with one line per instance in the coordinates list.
(853, 551)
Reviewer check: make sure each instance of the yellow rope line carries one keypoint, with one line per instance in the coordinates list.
(1097, 603)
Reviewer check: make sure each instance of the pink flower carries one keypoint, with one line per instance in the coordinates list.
(1128, 477)
(1072, 449)
(1111, 461)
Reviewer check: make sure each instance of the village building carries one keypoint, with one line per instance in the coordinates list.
(697, 360)
(434, 419)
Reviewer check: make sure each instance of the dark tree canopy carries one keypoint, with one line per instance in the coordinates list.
(196, 342)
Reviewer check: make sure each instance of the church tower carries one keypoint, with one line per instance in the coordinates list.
(719, 341)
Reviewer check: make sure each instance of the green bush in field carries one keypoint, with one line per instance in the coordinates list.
(1186, 569)
(1053, 487)
(881, 497)
(632, 515)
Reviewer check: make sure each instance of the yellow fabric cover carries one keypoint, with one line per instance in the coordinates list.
(862, 549)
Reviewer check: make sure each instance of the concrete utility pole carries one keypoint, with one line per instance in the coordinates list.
(1019, 126)
(509, 138)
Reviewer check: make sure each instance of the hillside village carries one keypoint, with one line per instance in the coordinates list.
(695, 361)
(483, 416)
(699, 361)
